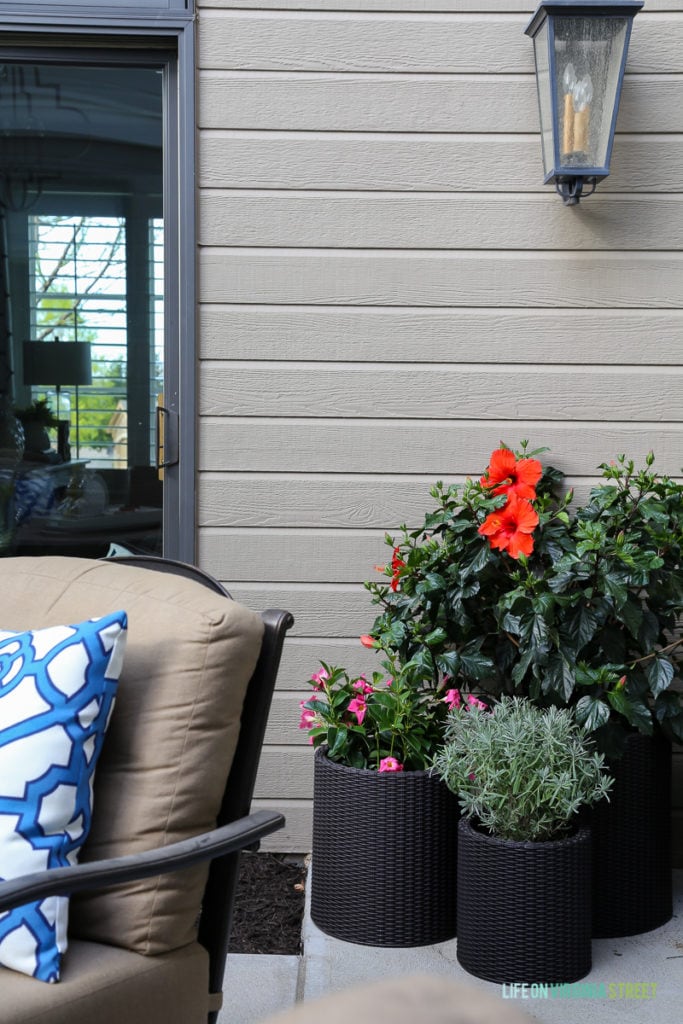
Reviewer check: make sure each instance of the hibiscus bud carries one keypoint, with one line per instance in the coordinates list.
(367, 641)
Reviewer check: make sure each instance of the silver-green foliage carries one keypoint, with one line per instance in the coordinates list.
(521, 770)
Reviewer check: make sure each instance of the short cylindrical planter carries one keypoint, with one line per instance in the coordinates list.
(524, 908)
(632, 889)
(384, 856)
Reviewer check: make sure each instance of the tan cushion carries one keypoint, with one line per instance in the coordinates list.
(105, 985)
(161, 775)
(416, 999)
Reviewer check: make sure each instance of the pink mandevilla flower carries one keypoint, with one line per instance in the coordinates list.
(319, 678)
(475, 703)
(390, 764)
(452, 699)
(362, 685)
(308, 717)
(358, 707)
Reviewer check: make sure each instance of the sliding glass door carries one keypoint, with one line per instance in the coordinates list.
(89, 379)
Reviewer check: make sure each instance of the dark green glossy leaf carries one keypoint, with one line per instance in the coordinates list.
(660, 674)
(559, 677)
(592, 712)
(582, 625)
(636, 713)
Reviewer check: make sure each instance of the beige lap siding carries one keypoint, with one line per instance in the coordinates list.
(387, 290)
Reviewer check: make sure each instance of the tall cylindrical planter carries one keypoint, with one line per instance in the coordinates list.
(524, 908)
(632, 842)
(384, 855)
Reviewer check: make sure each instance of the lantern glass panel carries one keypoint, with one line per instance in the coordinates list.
(541, 53)
(588, 60)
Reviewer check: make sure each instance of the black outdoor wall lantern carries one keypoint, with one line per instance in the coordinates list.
(580, 53)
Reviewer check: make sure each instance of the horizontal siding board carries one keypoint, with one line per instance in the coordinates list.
(302, 656)
(434, 449)
(360, 278)
(536, 336)
(492, 6)
(414, 162)
(309, 556)
(362, 42)
(650, 394)
(295, 837)
(423, 221)
(284, 716)
(319, 611)
(286, 771)
(274, 502)
(403, 42)
(417, 103)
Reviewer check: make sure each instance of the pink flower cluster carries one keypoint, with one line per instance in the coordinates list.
(358, 705)
(453, 699)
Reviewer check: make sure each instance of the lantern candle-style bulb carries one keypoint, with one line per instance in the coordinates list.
(583, 94)
(568, 84)
(569, 77)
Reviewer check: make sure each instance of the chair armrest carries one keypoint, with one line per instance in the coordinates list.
(98, 874)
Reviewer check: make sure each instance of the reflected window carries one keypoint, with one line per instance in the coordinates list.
(82, 308)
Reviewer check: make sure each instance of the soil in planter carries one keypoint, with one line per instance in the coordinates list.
(269, 905)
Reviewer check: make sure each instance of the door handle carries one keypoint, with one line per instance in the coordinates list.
(166, 449)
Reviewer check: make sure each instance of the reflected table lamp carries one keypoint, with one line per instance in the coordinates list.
(58, 364)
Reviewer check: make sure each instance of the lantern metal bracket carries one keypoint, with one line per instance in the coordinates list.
(572, 189)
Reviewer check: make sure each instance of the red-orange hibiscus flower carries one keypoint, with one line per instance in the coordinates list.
(509, 475)
(510, 528)
(397, 564)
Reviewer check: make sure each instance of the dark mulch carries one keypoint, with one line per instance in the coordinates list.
(269, 906)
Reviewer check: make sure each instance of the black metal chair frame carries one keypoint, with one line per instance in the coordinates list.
(236, 829)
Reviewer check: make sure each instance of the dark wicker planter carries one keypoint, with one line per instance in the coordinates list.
(384, 856)
(632, 842)
(524, 909)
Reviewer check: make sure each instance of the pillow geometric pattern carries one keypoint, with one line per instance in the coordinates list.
(57, 691)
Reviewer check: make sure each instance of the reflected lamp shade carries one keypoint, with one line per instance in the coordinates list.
(57, 363)
(580, 53)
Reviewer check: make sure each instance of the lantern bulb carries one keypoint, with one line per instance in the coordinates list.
(582, 93)
(569, 77)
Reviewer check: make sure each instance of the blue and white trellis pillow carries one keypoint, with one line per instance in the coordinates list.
(57, 691)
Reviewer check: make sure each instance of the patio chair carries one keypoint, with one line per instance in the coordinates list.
(171, 802)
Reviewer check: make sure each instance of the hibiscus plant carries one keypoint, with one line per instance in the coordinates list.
(507, 588)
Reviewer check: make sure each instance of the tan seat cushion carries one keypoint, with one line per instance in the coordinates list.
(106, 985)
(161, 775)
(415, 999)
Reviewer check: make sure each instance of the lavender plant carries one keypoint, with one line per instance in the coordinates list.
(523, 772)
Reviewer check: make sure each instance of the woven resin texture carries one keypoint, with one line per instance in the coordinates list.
(524, 909)
(384, 856)
(632, 842)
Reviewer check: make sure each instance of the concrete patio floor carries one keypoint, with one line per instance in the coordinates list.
(256, 986)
